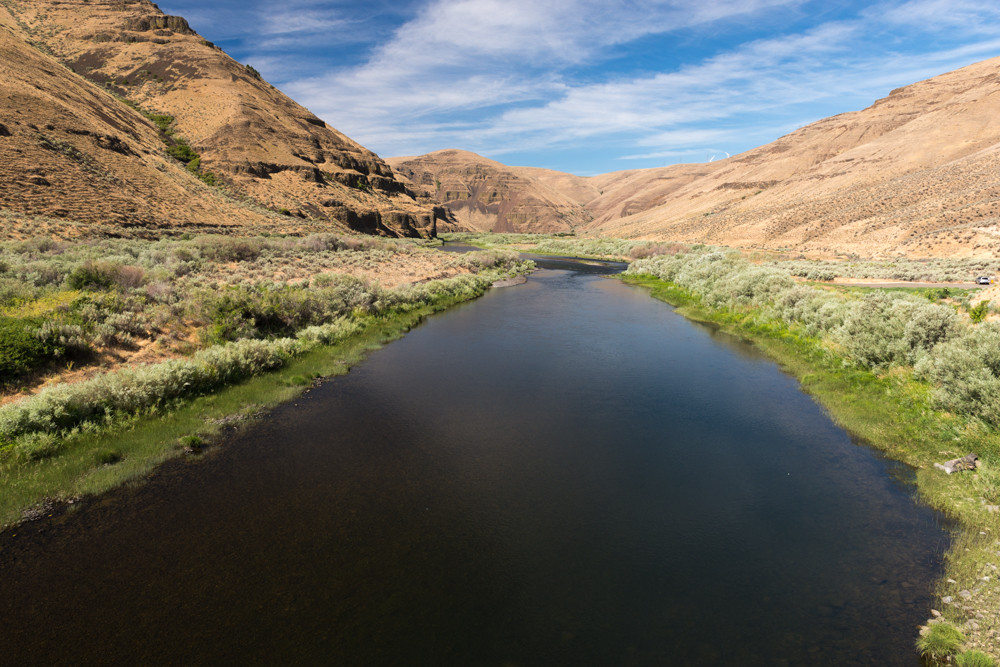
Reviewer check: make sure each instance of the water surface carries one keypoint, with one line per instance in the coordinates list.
(561, 473)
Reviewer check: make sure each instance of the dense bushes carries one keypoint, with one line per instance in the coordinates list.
(877, 331)
(68, 406)
(882, 331)
(258, 326)
(929, 270)
(654, 249)
(21, 350)
(102, 275)
(558, 244)
(82, 297)
(966, 370)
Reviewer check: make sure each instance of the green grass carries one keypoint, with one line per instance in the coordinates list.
(579, 249)
(943, 640)
(21, 351)
(930, 293)
(974, 659)
(892, 412)
(130, 449)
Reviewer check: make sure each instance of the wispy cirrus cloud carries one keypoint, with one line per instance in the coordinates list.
(618, 79)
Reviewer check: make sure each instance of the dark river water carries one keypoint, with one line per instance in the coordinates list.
(560, 473)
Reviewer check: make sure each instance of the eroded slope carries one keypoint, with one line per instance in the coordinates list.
(916, 173)
(485, 195)
(250, 137)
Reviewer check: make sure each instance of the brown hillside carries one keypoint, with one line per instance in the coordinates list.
(262, 146)
(69, 150)
(915, 173)
(487, 196)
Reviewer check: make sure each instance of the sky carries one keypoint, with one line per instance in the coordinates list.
(591, 86)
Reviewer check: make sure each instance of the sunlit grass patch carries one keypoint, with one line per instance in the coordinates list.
(974, 659)
(40, 306)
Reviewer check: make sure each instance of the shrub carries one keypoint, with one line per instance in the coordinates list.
(92, 275)
(248, 311)
(974, 659)
(489, 259)
(655, 249)
(182, 152)
(873, 333)
(226, 249)
(330, 334)
(130, 390)
(966, 370)
(21, 350)
(130, 276)
(979, 312)
(942, 641)
(937, 294)
(192, 442)
(38, 446)
(929, 325)
(13, 291)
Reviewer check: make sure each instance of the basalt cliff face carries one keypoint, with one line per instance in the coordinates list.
(917, 173)
(116, 115)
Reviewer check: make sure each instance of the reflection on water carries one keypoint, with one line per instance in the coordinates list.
(561, 473)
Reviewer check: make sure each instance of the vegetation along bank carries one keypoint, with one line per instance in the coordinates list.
(912, 372)
(117, 355)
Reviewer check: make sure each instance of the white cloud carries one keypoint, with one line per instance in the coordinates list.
(935, 15)
(469, 54)
(491, 75)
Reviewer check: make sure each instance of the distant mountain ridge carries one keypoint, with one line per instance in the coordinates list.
(916, 173)
(67, 66)
(485, 195)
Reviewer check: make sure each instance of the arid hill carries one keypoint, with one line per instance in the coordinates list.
(916, 173)
(487, 196)
(114, 113)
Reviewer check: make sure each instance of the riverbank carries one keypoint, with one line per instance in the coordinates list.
(248, 348)
(613, 250)
(893, 412)
(474, 469)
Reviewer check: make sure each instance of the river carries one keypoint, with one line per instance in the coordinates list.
(560, 473)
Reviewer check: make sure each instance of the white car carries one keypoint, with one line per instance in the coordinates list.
(982, 280)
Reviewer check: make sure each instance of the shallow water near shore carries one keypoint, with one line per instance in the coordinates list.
(559, 473)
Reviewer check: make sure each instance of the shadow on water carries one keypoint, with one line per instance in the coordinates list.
(560, 473)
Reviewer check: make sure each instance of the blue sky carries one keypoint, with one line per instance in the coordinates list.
(591, 86)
